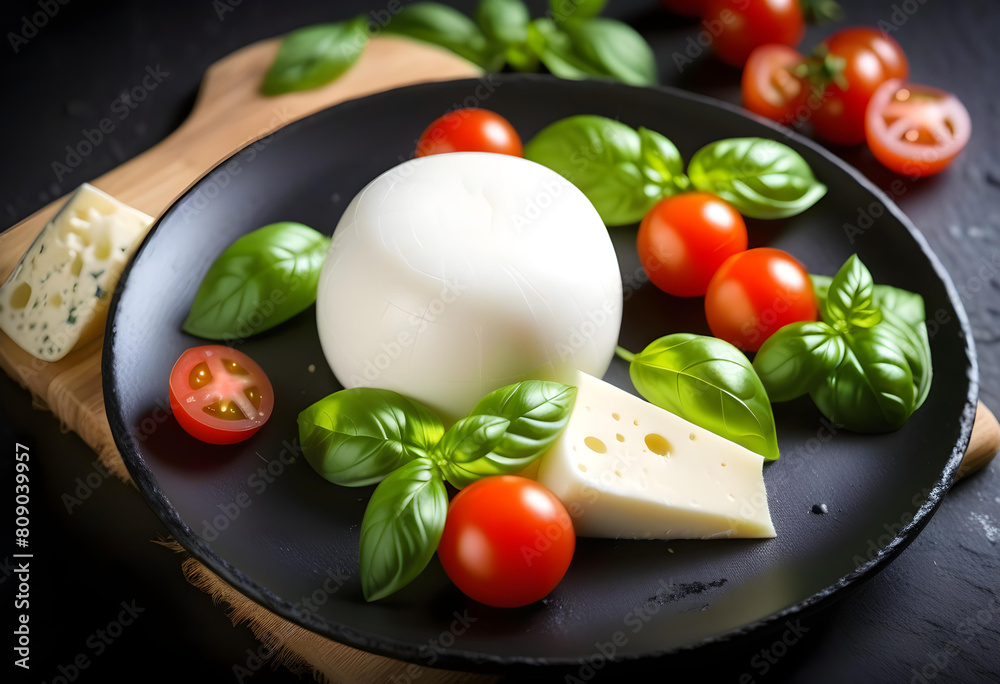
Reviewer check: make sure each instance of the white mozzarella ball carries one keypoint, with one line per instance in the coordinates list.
(455, 274)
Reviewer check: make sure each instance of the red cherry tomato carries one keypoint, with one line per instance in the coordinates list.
(754, 293)
(684, 239)
(870, 58)
(470, 130)
(685, 8)
(219, 395)
(770, 88)
(507, 541)
(739, 26)
(916, 130)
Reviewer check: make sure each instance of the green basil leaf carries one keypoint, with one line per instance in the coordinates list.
(261, 280)
(556, 50)
(849, 301)
(446, 27)
(612, 49)
(358, 436)
(562, 10)
(504, 21)
(762, 178)
(521, 57)
(909, 306)
(821, 286)
(593, 48)
(315, 55)
(661, 162)
(470, 440)
(916, 348)
(904, 311)
(401, 528)
(604, 159)
(872, 389)
(711, 383)
(536, 412)
(796, 358)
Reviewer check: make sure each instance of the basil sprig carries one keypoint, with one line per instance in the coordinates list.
(571, 41)
(624, 172)
(866, 365)
(365, 435)
(315, 55)
(710, 383)
(261, 280)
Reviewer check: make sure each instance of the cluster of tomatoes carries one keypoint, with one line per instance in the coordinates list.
(695, 244)
(851, 89)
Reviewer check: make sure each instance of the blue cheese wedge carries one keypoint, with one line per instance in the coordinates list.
(57, 297)
(630, 470)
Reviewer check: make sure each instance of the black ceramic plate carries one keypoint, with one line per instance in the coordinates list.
(282, 535)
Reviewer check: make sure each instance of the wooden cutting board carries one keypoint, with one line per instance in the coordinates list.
(228, 114)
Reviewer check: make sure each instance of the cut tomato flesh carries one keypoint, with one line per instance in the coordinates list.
(916, 130)
(219, 394)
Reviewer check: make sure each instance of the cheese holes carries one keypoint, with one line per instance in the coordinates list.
(658, 444)
(582, 467)
(616, 416)
(620, 437)
(691, 437)
(595, 445)
(20, 296)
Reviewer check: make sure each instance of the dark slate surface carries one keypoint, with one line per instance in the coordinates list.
(933, 615)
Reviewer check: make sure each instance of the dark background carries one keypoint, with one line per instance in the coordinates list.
(932, 615)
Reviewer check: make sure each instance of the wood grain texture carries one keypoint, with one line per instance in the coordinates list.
(229, 113)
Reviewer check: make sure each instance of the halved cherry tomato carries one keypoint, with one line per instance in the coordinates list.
(770, 88)
(219, 395)
(916, 130)
(756, 292)
(685, 8)
(684, 239)
(739, 26)
(861, 59)
(507, 541)
(470, 130)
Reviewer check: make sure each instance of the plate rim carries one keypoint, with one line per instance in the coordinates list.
(458, 658)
